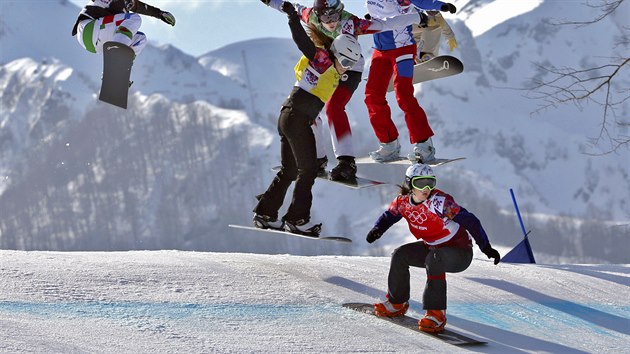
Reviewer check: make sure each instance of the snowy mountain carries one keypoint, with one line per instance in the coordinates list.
(194, 302)
(199, 139)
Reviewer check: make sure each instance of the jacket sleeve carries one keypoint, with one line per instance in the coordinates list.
(394, 22)
(447, 31)
(386, 220)
(303, 11)
(146, 9)
(301, 39)
(470, 222)
(428, 4)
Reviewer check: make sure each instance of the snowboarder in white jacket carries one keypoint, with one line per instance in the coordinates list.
(102, 21)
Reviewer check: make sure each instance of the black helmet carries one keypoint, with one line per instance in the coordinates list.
(327, 7)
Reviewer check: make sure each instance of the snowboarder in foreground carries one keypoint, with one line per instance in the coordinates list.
(443, 228)
(103, 21)
(317, 72)
(394, 54)
(428, 37)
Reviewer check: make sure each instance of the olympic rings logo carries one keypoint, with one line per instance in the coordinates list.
(417, 217)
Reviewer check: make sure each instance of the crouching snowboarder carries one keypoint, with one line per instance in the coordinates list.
(443, 228)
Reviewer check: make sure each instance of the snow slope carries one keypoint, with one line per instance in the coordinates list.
(172, 301)
(78, 174)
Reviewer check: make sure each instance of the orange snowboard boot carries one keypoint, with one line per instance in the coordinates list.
(433, 322)
(387, 309)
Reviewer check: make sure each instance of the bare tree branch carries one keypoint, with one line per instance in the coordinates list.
(602, 85)
(605, 9)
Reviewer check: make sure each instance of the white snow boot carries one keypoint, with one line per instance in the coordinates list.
(422, 152)
(386, 152)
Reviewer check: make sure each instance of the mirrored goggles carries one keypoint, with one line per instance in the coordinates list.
(423, 182)
(330, 17)
(346, 63)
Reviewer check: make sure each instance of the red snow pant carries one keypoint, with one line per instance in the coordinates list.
(338, 118)
(398, 62)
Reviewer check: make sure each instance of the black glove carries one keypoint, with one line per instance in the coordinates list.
(424, 20)
(374, 234)
(367, 16)
(266, 2)
(168, 18)
(288, 8)
(448, 8)
(492, 253)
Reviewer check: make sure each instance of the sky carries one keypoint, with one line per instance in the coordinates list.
(201, 302)
(205, 25)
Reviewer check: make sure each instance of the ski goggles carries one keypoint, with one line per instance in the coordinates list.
(330, 17)
(422, 182)
(346, 63)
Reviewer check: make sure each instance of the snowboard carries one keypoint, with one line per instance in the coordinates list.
(359, 183)
(436, 68)
(318, 238)
(405, 161)
(117, 62)
(448, 336)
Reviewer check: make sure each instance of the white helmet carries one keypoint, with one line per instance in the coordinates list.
(347, 50)
(418, 170)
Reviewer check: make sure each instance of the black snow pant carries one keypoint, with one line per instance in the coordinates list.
(298, 158)
(436, 261)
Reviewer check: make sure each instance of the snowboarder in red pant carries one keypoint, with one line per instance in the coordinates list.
(394, 54)
(443, 228)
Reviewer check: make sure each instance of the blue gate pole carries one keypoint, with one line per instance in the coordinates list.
(518, 213)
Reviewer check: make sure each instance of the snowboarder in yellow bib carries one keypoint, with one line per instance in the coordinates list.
(317, 72)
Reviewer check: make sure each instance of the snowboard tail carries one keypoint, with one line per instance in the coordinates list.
(117, 62)
(436, 68)
(448, 336)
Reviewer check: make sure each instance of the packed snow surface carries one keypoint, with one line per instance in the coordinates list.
(174, 301)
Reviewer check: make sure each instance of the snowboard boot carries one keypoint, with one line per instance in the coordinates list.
(423, 152)
(322, 162)
(303, 227)
(345, 171)
(387, 309)
(386, 152)
(266, 222)
(433, 322)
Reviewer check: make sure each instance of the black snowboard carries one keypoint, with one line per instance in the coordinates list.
(436, 68)
(448, 335)
(117, 62)
(358, 183)
(320, 238)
